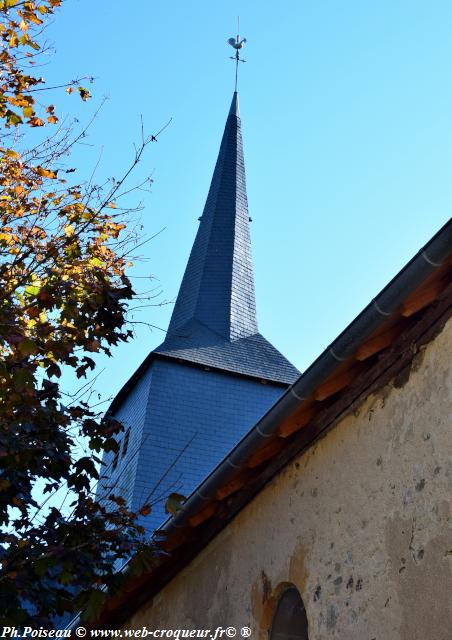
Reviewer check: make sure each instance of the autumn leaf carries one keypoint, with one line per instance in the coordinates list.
(93, 345)
(6, 238)
(32, 290)
(36, 122)
(64, 296)
(10, 153)
(46, 173)
(28, 348)
(12, 118)
(145, 510)
(22, 379)
(34, 18)
(33, 312)
(13, 40)
(53, 370)
(174, 503)
(84, 93)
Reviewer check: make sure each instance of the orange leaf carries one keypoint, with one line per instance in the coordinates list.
(34, 18)
(52, 119)
(36, 122)
(46, 173)
(69, 89)
(84, 93)
(13, 40)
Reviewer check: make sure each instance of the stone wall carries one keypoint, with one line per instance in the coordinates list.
(361, 523)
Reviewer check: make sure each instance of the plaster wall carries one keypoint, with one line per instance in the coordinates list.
(361, 523)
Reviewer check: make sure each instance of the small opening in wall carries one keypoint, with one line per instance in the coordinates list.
(290, 621)
(125, 446)
(115, 460)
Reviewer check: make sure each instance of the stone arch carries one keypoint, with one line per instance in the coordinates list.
(289, 620)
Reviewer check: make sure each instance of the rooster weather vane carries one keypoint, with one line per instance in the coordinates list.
(237, 44)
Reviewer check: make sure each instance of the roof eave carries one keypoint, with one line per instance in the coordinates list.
(434, 257)
(429, 258)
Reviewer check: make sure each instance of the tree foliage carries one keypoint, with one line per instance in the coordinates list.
(64, 250)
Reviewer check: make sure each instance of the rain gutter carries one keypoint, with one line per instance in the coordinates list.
(429, 258)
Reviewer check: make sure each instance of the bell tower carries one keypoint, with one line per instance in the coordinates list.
(197, 394)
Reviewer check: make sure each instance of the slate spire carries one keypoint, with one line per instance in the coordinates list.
(217, 289)
(214, 319)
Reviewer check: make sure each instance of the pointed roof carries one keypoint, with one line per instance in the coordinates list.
(214, 319)
(218, 285)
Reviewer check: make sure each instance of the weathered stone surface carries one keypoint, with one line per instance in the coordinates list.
(361, 523)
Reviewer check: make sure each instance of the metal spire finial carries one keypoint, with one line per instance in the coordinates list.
(238, 44)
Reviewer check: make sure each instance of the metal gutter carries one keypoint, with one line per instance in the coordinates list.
(427, 260)
(432, 256)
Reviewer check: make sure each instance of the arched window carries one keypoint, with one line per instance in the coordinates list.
(290, 621)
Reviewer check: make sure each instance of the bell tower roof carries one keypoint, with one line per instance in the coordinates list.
(218, 285)
(214, 319)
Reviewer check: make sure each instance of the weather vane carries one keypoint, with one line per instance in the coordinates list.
(237, 44)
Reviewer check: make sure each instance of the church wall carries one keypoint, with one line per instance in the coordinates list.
(360, 523)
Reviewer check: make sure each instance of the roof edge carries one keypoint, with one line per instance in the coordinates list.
(428, 259)
(155, 355)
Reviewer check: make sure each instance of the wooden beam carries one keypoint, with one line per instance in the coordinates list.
(174, 541)
(378, 343)
(296, 422)
(234, 485)
(335, 384)
(203, 515)
(389, 365)
(265, 453)
(421, 298)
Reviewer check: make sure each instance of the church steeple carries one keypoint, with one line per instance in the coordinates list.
(218, 286)
(198, 393)
(214, 319)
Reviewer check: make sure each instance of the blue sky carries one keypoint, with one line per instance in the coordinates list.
(347, 123)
